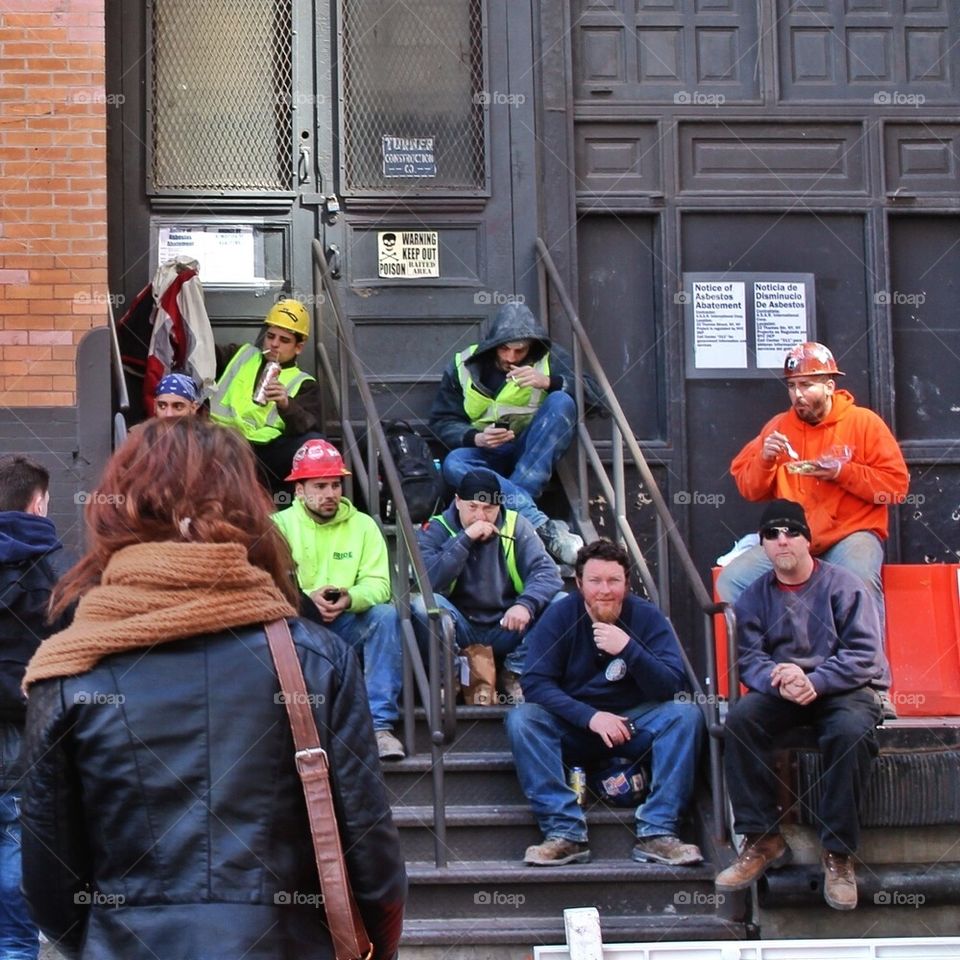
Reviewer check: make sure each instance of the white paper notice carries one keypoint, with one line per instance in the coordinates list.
(720, 325)
(780, 310)
(225, 253)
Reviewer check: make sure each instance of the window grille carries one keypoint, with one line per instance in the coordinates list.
(413, 71)
(222, 89)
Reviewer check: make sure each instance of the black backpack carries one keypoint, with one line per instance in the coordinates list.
(419, 472)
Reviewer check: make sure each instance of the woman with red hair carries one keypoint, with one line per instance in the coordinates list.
(163, 813)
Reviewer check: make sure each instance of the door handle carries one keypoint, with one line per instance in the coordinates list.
(303, 165)
(333, 260)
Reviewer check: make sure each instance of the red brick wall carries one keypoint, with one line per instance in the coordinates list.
(53, 203)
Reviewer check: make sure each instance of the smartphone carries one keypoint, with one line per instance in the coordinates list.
(502, 424)
(332, 596)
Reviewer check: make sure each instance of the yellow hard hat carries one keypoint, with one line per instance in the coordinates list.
(291, 315)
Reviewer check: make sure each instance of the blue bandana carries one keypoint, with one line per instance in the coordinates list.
(179, 384)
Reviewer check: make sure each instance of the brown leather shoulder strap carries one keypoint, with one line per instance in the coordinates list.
(350, 940)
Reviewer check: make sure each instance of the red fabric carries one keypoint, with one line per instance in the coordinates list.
(857, 499)
(169, 306)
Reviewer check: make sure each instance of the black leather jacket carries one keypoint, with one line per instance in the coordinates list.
(163, 815)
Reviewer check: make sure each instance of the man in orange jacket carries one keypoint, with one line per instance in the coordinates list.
(838, 460)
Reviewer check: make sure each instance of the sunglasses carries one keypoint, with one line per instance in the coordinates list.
(772, 533)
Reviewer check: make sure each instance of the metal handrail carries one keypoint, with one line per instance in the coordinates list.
(439, 705)
(615, 492)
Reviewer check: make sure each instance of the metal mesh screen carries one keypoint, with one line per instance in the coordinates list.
(413, 71)
(222, 95)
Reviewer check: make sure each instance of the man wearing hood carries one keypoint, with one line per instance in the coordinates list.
(31, 561)
(344, 574)
(506, 404)
(840, 462)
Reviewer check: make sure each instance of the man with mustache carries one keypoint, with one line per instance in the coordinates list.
(838, 460)
(604, 678)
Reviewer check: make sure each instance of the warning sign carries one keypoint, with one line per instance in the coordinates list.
(408, 254)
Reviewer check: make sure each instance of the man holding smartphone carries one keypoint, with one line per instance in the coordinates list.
(506, 404)
(344, 573)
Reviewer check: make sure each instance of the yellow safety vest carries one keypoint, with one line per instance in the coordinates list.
(232, 405)
(514, 402)
(509, 553)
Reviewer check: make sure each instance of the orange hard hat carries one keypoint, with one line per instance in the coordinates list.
(810, 359)
(315, 459)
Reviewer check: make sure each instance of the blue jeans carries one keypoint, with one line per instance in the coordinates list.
(19, 939)
(508, 645)
(376, 633)
(525, 464)
(541, 742)
(861, 553)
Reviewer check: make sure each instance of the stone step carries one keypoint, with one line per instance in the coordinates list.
(504, 831)
(469, 778)
(487, 890)
(503, 937)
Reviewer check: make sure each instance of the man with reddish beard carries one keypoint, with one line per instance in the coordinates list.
(810, 655)
(602, 679)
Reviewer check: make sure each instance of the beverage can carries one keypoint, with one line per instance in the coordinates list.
(271, 370)
(578, 784)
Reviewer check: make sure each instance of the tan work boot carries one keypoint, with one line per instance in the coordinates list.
(839, 880)
(483, 675)
(555, 852)
(760, 851)
(510, 690)
(666, 849)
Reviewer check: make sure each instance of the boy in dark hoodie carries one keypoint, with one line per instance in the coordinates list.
(31, 561)
(506, 404)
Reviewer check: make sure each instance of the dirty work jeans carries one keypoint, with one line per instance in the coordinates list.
(525, 464)
(541, 742)
(505, 643)
(19, 939)
(375, 635)
(861, 553)
(845, 726)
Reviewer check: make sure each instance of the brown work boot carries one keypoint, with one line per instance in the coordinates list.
(839, 880)
(760, 851)
(556, 851)
(666, 849)
(510, 690)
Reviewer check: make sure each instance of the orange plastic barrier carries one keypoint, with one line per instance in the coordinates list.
(923, 638)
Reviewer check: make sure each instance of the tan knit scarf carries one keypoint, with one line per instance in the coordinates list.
(153, 593)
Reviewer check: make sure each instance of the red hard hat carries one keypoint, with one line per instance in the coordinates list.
(810, 359)
(315, 459)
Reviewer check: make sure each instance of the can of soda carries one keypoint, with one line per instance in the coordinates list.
(578, 784)
(271, 370)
